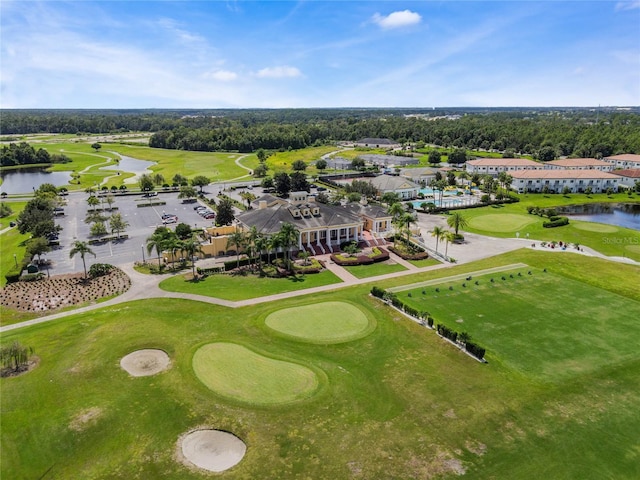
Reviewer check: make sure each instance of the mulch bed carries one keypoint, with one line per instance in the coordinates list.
(62, 291)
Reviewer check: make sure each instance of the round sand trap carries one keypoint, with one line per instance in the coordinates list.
(212, 450)
(143, 363)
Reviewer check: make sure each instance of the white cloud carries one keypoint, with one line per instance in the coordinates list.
(397, 19)
(632, 5)
(279, 72)
(221, 75)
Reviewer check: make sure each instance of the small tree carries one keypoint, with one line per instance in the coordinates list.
(118, 224)
(82, 248)
(434, 157)
(96, 146)
(224, 213)
(321, 165)
(38, 246)
(200, 181)
(98, 229)
(93, 202)
(299, 166)
(15, 356)
(5, 210)
(187, 191)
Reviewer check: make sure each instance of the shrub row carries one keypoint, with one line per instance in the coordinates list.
(475, 350)
(151, 204)
(558, 222)
(98, 241)
(210, 270)
(100, 269)
(447, 332)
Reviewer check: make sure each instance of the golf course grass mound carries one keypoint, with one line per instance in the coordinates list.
(238, 373)
(504, 222)
(211, 450)
(143, 363)
(327, 322)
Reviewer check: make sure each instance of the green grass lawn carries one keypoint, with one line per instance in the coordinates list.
(327, 322)
(398, 403)
(242, 287)
(241, 374)
(11, 242)
(507, 220)
(215, 165)
(574, 328)
(375, 269)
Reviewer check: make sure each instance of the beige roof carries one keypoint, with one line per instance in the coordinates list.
(503, 162)
(388, 183)
(561, 174)
(626, 157)
(579, 162)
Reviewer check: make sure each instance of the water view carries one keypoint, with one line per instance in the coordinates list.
(130, 165)
(25, 180)
(619, 214)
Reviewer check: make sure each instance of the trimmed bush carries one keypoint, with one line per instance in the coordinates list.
(377, 292)
(100, 269)
(560, 222)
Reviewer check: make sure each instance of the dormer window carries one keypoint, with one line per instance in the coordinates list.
(296, 213)
(315, 211)
(306, 212)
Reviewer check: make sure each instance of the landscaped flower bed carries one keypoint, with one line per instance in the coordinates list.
(375, 255)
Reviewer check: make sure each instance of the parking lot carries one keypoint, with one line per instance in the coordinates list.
(143, 220)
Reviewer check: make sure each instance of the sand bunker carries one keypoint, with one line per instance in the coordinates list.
(143, 363)
(212, 450)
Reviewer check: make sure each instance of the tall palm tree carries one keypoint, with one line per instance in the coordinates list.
(261, 243)
(448, 238)
(251, 238)
(238, 239)
(273, 243)
(191, 247)
(82, 248)
(407, 220)
(456, 221)
(437, 232)
(156, 241)
(289, 235)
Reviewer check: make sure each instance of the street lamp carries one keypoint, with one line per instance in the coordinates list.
(143, 260)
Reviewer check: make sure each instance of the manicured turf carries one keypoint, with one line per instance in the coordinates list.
(375, 269)
(400, 392)
(505, 222)
(326, 322)
(238, 373)
(542, 324)
(234, 288)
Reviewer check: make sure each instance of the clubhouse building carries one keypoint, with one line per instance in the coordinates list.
(322, 228)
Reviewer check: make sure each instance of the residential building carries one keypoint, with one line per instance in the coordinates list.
(556, 180)
(628, 177)
(493, 166)
(624, 161)
(579, 164)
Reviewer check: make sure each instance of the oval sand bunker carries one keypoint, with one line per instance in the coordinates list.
(143, 363)
(213, 450)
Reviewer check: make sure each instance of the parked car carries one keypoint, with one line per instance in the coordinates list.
(210, 216)
(169, 220)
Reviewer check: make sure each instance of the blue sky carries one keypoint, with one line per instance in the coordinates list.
(220, 54)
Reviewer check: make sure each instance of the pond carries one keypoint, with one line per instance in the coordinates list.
(25, 180)
(130, 165)
(619, 214)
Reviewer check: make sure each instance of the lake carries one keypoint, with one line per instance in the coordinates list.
(130, 165)
(25, 180)
(619, 214)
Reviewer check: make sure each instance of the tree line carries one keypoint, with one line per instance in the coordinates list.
(545, 133)
(22, 153)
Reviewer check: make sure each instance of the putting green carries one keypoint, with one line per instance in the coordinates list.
(594, 227)
(504, 222)
(327, 322)
(238, 373)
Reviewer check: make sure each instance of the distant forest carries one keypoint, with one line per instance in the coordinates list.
(544, 133)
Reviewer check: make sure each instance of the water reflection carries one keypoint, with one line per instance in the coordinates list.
(25, 180)
(619, 214)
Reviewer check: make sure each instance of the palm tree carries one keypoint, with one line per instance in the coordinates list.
(191, 247)
(456, 221)
(260, 244)
(273, 243)
(238, 239)
(407, 220)
(248, 197)
(82, 248)
(437, 232)
(252, 238)
(289, 236)
(156, 241)
(448, 238)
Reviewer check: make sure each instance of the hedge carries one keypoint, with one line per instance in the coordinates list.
(561, 221)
